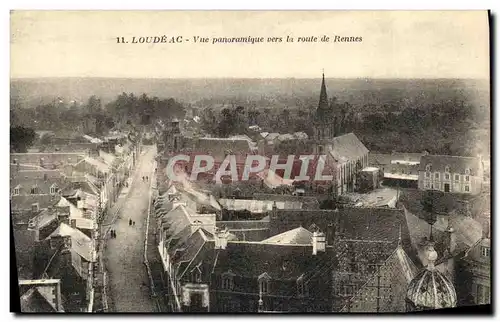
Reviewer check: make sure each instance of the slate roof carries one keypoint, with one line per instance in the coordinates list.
(307, 202)
(24, 244)
(347, 147)
(398, 260)
(376, 224)
(219, 147)
(87, 187)
(280, 262)
(100, 165)
(386, 158)
(47, 216)
(80, 242)
(24, 203)
(300, 236)
(257, 206)
(176, 220)
(247, 230)
(467, 233)
(108, 158)
(35, 178)
(34, 302)
(457, 164)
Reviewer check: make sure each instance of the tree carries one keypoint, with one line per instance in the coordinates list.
(21, 138)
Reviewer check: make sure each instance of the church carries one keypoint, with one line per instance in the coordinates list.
(346, 151)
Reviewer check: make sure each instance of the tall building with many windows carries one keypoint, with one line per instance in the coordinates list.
(454, 174)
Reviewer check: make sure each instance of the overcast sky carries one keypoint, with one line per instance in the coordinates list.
(452, 44)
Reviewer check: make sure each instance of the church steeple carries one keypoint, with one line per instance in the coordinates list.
(323, 97)
(323, 119)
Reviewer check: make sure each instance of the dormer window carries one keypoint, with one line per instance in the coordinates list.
(196, 275)
(467, 178)
(428, 167)
(34, 190)
(54, 189)
(467, 171)
(264, 283)
(228, 281)
(485, 252)
(447, 169)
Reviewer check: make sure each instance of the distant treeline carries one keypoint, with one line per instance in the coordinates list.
(450, 127)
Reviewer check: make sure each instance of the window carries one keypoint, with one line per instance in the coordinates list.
(466, 188)
(264, 286)
(436, 175)
(347, 290)
(457, 177)
(447, 169)
(485, 251)
(264, 283)
(467, 171)
(301, 286)
(466, 178)
(16, 191)
(34, 190)
(428, 167)
(427, 174)
(427, 185)
(320, 148)
(196, 275)
(447, 176)
(54, 189)
(227, 282)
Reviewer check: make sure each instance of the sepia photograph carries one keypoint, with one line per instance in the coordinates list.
(250, 162)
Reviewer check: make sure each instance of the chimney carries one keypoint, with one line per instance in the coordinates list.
(318, 242)
(221, 236)
(73, 223)
(63, 217)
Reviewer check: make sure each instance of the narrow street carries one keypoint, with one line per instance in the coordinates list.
(128, 282)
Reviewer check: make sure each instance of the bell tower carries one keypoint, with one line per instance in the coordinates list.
(324, 122)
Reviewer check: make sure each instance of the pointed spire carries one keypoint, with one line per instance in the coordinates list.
(323, 97)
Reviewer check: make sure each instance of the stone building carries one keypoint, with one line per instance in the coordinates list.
(450, 174)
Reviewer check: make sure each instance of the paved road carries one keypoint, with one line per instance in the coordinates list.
(128, 282)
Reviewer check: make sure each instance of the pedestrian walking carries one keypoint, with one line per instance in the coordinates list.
(133, 223)
(130, 222)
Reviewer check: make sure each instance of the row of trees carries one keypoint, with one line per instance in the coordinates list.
(443, 128)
